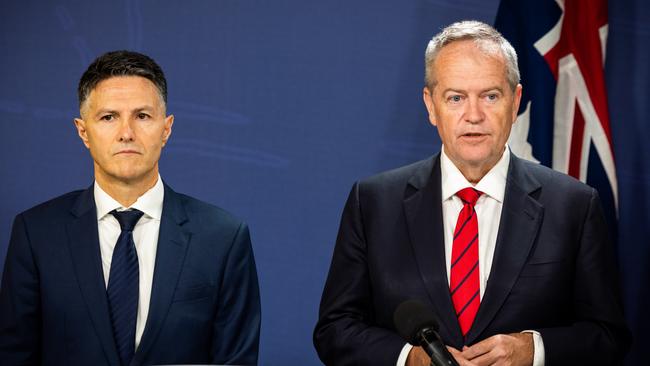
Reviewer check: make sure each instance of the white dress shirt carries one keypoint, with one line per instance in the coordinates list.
(145, 236)
(488, 212)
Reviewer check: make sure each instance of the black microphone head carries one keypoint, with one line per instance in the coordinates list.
(411, 317)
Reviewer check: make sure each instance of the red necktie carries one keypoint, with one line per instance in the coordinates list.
(464, 283)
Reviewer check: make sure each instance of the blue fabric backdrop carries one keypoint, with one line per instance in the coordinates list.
(280, 106)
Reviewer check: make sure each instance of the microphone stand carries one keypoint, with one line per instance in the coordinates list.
(434, 347)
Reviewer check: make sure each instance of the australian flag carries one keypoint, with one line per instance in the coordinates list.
(563, 120)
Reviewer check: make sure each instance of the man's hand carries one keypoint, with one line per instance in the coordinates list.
(458, 356)
(514, 349)
(417, 357)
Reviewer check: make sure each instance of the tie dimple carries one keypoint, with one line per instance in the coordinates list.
(127, 219)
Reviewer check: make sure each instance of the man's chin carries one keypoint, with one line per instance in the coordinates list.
(475, 157)
(133, 176)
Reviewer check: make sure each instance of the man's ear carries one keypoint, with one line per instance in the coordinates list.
(80, 124)
(169, 121)
(516, 101)
(427, 96)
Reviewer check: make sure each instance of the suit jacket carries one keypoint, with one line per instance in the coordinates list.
(204, 308)
(553, 269)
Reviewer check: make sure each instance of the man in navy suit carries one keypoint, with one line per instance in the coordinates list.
(128, 272)
(513, 258)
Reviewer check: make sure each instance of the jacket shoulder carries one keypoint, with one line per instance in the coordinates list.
(53, 208)
(399, 177)
(556, 181)
(204, 213)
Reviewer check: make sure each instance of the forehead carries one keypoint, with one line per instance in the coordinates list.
(135, 89)
(124, 84)
(468, 62)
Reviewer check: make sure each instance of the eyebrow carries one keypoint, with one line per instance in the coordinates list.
(146, 108)
(496, 88)
(143, 109)
(105, 111)
(461, 91)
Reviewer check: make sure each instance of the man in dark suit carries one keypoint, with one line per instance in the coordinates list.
(128, 272)
(512, 257)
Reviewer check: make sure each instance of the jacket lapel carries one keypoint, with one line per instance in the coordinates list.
(423, 209)
(83, 243)
(521, 217)
(173, 240)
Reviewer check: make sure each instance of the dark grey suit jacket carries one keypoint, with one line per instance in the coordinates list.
(204, 308)
(553, 270)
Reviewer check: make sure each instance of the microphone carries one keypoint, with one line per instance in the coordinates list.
(418, 326)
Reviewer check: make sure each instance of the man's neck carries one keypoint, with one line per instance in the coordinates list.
(474, 172)
(126, 192)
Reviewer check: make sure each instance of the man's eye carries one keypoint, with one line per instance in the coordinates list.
(455, 98)
(108, 117)
(492, 97)
(143, 116)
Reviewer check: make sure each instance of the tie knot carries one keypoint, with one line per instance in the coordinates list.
(127, 219)
(469, 195)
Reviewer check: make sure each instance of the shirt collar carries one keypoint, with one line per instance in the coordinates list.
(151, 202)
(492, 184)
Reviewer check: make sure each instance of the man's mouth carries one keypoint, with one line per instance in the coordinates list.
(127, 151)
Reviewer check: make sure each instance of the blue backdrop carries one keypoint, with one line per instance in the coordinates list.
(280, 106)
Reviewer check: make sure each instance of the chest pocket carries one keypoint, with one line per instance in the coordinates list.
(193, 293)
(542, 268)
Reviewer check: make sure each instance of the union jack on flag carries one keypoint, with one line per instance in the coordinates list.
(563, 119)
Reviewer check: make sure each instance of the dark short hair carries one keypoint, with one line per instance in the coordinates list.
(121, 63)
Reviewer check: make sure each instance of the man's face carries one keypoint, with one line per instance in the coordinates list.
(123, 124)
(472, 105)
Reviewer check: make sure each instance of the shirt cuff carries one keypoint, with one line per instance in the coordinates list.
(538, 348)
(401, 360)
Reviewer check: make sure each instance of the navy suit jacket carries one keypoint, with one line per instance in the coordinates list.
(553, 269)
(204, 308)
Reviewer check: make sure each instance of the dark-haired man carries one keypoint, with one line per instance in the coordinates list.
(512, 257)
(128, 272)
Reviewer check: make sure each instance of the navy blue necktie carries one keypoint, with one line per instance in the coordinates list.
(123, 286)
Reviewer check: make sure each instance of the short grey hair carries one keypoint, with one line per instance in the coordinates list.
(484, 35)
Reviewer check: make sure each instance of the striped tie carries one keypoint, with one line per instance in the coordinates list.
(464, 282)
(123, 286)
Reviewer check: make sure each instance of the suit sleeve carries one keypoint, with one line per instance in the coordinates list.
(236, 330)
(20, 315)
(345, 333)
(599, 335)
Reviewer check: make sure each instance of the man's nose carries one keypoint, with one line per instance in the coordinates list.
(474, 112)
(126, 133)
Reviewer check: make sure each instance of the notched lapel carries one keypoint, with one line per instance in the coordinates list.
(173, 241)
(521, 218)
(83, 243)
(423, 210)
